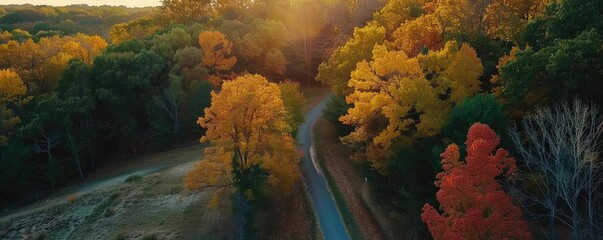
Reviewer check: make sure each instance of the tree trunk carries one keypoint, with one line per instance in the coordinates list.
(75, 154)
(552, 228)
(575, 220)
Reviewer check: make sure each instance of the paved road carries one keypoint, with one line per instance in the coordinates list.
(328, 216)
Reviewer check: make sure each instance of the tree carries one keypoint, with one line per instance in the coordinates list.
(481, 108)
(75, 88)
(294, 102)
(216, 55)
(396, 12)
(119, 33)
(249, 136)
(397, 99)
(167, 44)
(566, 61)
(568, 67)
(421, 33)
(471, 196)
(12, 94)
(187, 64)
(461, 17)
(386, 90)
(336, 71)
(182, 11)
(51, 125)
(168, 101)
(260, 49)
(507, 19)
(560, 147)
(122, 85)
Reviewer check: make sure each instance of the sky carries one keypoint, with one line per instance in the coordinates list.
(129, 3)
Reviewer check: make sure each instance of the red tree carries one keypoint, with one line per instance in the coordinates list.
(473, 202)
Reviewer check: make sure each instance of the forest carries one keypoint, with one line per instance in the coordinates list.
(311, 119)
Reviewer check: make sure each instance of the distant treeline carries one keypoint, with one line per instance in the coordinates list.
(42, 21)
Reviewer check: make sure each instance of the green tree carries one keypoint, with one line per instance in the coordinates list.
(482, 108)
(565, 61)
(182, 11)
(123, 85)
(75, 88)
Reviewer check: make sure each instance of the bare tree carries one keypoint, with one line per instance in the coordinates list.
(169, 102)
(560, 148)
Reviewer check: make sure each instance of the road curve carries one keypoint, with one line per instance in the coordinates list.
(329, 218)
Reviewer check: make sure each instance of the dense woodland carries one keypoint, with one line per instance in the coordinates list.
(475, 119)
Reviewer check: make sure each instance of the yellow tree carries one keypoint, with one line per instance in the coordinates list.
(12, 92)
(415, 35)
(249, 140)
(396, 12)
(454, 71)
(119, 33)
(217, 52)
(398, 99)
(75, 49)
(53, 68)
(93, 45)
(461, 17)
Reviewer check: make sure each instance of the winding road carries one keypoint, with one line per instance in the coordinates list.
(329, 218)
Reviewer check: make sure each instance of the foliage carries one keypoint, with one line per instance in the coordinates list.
(396, 12)
(416, 35)
(67, 20)
(399, 99)
(566, 61)
(337, 70)
(481, 108)
(181, 11)
(217, 56)
(12, 94)
(252, 111)
(471, 197)
(294, 101)
(568, 67)
(260, 48)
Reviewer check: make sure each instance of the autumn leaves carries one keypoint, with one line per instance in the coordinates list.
(471, 196)
(247, 127)
(412, 95)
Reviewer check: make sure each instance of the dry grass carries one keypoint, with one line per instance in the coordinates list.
(372, 220)
(152, 206)
(290, 218)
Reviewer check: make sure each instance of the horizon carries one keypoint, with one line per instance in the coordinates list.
(56, 3)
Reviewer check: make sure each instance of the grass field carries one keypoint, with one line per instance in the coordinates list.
(129, 203)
